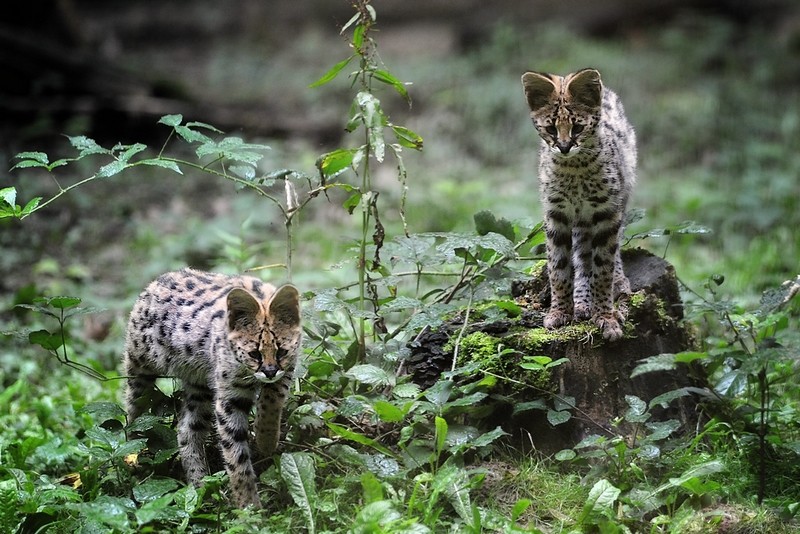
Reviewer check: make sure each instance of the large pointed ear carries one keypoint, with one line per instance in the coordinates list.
(284, 307)
(242, 308)
(586, 88)
(538, 89)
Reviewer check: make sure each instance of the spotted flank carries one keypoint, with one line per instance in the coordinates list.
(233, 343)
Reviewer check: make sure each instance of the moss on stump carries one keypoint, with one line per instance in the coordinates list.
(596, 373)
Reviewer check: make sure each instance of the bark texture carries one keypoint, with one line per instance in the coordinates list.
(597, 375)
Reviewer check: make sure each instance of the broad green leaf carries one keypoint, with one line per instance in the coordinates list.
(407, 138)
(659, 362)
(454, 483)
(31, 206)
(334, 163)
(371, 374)
(556, 418)
(372, 488)
(490, 437)
(9, 196)
(157, 162)
(86, 146)
(109, 511)
(701, 470)
(346, 433)
(9, 506)
(332, 73)
(28, 163)
(153, 488)
(103, 411)
(352, 202)
(388, 78)
(297, 471)
(248, 172)
(637, 410)
(662, 429)
(565, 455)
(38, 157)
(388, 412)
(63, 303)
(407, 390)
(129, 447)
(485, 222)
(130, 151)
(192, 136)
(440, 392)
(115, 167)
(45, 339)
(601, 500)
(204, 125)
(171, 120)
(537, 404)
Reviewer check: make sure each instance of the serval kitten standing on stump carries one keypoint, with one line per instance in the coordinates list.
(233, 342)
(587, 169)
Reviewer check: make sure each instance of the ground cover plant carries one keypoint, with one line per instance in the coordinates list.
(366, 449)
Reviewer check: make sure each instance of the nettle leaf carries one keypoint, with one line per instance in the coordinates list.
(485, 222)
(152, 489)
(103, 411)
(158, 162)
(204, 125)
(9, 196)
(537, 404)
(192, 136)
(63, 303)
(37, 157)
(28, 163)
(115, 167)
(45, 339)
(171, 120)
(371, 374)
(248, 172)
(408, 390)
(86, 146)
(234, 149)
(601, 500)
(128, 151)
(30, 206)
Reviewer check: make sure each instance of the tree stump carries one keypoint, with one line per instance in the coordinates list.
(597, 374)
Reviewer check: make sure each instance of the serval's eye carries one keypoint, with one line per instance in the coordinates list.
(255, 354)
(551, 129)
(577, 128)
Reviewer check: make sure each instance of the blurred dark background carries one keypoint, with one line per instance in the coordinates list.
(712, 87)
(110, 68)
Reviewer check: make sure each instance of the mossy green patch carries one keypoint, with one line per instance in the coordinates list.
(493, 355)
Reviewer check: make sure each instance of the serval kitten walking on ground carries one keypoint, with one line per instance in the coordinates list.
(233, 342)
(587, 169)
